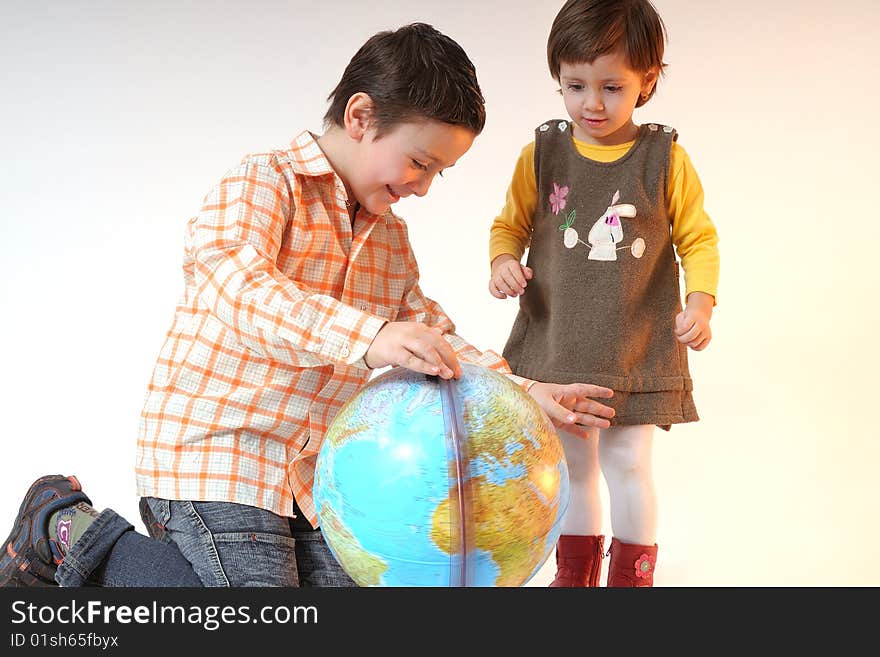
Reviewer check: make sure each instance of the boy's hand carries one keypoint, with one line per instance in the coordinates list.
(692, 324)
(569, 406)
(508, 277)
(416, 347)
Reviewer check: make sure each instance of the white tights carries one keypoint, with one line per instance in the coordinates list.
(623, 456)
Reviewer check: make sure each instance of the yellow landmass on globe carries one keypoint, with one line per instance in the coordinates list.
(364, 568)
(341, 429)
(511, 520)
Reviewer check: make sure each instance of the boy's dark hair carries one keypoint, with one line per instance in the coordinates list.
(584, 30)
(412, 73)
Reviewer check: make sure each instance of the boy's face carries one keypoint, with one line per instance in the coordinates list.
(404, 161)
(600, 98)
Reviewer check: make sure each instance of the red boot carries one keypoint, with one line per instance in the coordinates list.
(578, 561)
(631, 565)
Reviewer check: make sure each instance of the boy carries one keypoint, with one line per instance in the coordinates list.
(299, 281)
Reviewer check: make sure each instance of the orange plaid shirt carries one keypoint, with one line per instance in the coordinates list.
(283, 298)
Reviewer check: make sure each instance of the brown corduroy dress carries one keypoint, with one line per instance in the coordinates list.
(601, 306)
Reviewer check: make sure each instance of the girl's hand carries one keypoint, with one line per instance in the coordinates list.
(570, 406)
(508, 277)
(692, 324)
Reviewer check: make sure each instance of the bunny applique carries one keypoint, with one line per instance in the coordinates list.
(607, 231)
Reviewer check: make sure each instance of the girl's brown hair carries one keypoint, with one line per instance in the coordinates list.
(584, 30)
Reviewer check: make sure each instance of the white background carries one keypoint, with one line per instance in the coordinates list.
(116, 120)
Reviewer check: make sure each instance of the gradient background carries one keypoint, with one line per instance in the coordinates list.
(116, 120)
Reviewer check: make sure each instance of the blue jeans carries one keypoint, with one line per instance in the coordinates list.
(201, 544)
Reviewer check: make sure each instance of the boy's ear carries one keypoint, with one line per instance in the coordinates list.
(358, 115)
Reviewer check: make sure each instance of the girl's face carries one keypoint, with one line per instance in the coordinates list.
(404, 161)
(600, 98)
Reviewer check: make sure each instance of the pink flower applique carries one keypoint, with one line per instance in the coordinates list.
(644, 566)
(557, 198)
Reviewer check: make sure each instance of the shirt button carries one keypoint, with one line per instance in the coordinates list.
(344, 351)
(364, 307)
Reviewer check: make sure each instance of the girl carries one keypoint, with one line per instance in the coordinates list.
(600, 202)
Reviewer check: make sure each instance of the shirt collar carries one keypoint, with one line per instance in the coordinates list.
(306, 156)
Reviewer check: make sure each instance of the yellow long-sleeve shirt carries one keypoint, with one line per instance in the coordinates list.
(693, 232)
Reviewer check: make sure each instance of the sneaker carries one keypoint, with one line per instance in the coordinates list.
(29, 557)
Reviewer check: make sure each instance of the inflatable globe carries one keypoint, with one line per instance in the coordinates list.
(427, 482)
